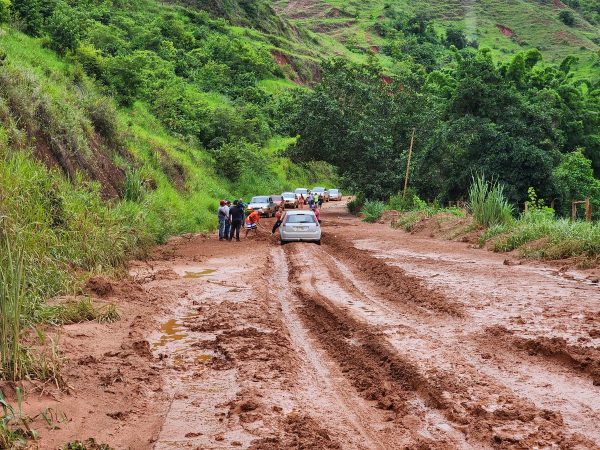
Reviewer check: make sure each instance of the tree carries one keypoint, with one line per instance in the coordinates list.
(64, 27)
(574, 179)
(28, 14)
(567, 17)
(360, 124)
(4, 11)
(456, 37)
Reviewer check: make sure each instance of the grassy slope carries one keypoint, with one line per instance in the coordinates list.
(534, 23)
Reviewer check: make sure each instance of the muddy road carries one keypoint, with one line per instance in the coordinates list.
(374, 340)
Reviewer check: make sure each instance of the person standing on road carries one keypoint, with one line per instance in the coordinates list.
(223, 216)
(320, 202)
(252, 221)
(228, 221)
(279, 216)
(310, 201)
(236, 218)
(301, 202)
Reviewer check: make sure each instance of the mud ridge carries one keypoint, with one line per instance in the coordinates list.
(393, 283)
(581, 359)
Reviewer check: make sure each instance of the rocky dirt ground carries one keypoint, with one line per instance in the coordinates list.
(376, 339)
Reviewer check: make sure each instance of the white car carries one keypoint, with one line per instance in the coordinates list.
(263, 202)
(301, 191)
(290, 199)
(335, 194)
(300, 226)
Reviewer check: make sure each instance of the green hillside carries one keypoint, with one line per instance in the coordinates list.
(507, 27)
(123, 123)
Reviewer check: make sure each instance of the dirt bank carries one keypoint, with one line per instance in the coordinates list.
(375, 340)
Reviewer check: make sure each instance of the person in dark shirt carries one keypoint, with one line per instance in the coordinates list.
(236, 218)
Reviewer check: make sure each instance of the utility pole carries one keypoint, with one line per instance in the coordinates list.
(412, 140)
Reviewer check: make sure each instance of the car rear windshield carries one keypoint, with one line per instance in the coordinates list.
(301, 218)
(333, 191)
(259, 200)
(318, 189)
(289, 195)
(276, 198)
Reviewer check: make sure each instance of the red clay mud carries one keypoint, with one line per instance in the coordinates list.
(378, 339)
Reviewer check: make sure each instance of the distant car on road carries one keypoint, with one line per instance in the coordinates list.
(290, 199)
(300, 226)
(277, 199)
(321, 191)
(263, 202)
(302, 191)
(335, 194)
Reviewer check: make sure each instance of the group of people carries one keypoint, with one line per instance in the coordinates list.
(232, 216)
(313, 201)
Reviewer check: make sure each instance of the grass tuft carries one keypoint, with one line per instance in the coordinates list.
(488, 203)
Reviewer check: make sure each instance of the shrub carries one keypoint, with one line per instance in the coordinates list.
(355, 206)
(64, 27)
(488, 203)
(567, 17)
(373, 210)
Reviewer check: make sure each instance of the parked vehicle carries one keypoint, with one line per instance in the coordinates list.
(321, 191)
(300, 226)
(302, 191)
(277, 199)
(335, 194)
(290, 199)
(263, 202)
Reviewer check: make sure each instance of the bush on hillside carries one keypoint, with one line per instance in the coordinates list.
(567, 17)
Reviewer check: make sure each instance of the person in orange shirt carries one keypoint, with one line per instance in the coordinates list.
(252, 221)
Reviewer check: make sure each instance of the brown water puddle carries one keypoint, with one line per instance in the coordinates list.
(202, 273)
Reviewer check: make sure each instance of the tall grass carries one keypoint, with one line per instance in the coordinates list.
(488, 203)
(12, 288)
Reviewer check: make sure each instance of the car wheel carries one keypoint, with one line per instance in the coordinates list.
(318, 242)
(282, 242)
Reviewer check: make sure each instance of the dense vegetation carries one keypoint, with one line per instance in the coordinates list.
(523, 123)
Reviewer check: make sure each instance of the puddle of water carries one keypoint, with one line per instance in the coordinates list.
(172, 330)
(202, 273)
(203, 358)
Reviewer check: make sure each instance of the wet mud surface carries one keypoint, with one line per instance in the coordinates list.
(376, 339)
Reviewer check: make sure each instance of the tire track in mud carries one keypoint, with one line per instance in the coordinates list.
(392, 282)
(487, 413)
(318, 388)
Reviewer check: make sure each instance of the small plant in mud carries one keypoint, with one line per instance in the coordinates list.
(82, 310)
(373, 210)
(88, 444)
(14, 426)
